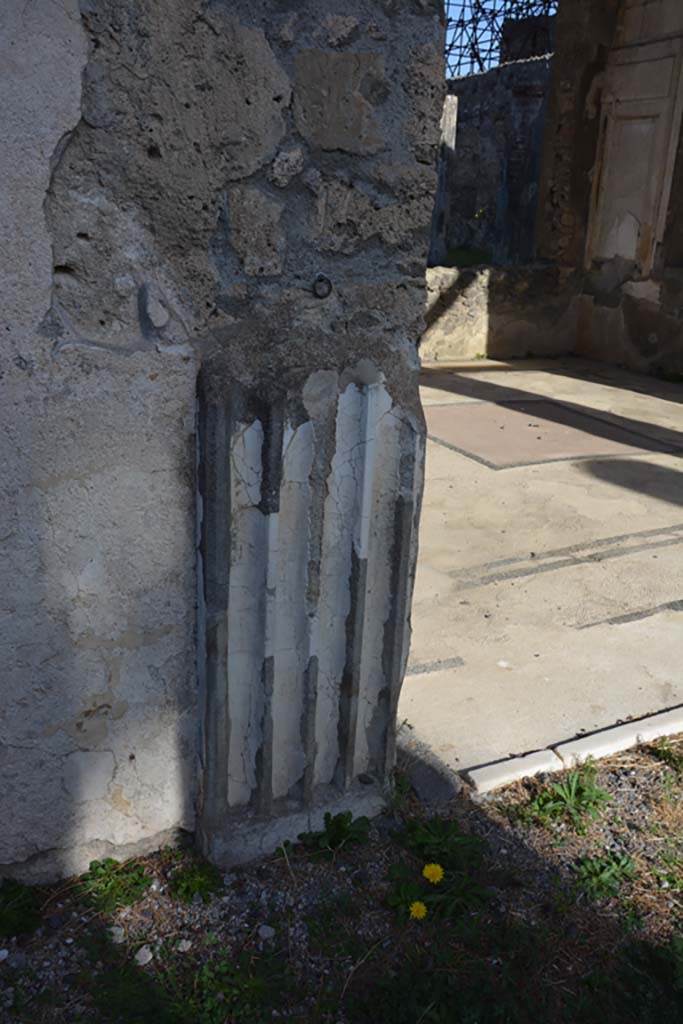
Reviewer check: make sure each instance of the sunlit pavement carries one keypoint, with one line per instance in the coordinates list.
(549, 592)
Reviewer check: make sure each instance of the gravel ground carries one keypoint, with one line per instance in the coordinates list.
(309, 939)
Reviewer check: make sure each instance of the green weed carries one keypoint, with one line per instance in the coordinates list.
(576, 799)
(242, 990)
(123, 992)
(602, 877)
(463, 978)
(671, 787)
(109, 885)
(455, 894)
(338, 831)
(442, 841)
(633, 915)
(195, 878)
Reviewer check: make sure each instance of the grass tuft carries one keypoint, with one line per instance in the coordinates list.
(576, 799)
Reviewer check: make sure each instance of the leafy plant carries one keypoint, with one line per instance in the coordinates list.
(441, 840)
(109, 884)
(20, 907)
(195, 878)
(576, 798)
(601, 877)
(338, 831)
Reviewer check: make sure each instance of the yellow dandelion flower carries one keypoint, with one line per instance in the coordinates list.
(433, 873)
(418, 910)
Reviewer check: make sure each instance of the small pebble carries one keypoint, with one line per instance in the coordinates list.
(4, 953)
(184, 946)
(266, 932)
(143, 956)
(117, 934)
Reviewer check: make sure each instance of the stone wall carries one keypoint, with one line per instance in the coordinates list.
(490, 179)
(499, 312)
(223, 209)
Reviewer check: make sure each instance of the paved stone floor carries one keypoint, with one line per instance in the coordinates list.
(549, 593)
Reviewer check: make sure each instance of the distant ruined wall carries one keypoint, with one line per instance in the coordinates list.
(217, 218)
(492, 183)
(610, 215)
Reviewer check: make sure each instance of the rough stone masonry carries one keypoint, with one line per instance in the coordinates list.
(215, 227)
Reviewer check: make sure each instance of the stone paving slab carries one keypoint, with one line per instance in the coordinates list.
(519, 433)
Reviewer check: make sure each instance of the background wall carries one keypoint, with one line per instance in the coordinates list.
(492, 175)
(572, 298)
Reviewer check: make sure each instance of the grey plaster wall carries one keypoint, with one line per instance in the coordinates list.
(174, 178)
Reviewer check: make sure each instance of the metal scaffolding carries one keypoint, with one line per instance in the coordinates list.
(475, 36)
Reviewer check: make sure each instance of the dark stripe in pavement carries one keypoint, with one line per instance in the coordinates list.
(566, 563)
(467, 580)
(645, 613)
(422, 668)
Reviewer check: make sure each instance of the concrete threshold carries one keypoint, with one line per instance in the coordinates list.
(574, 752)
